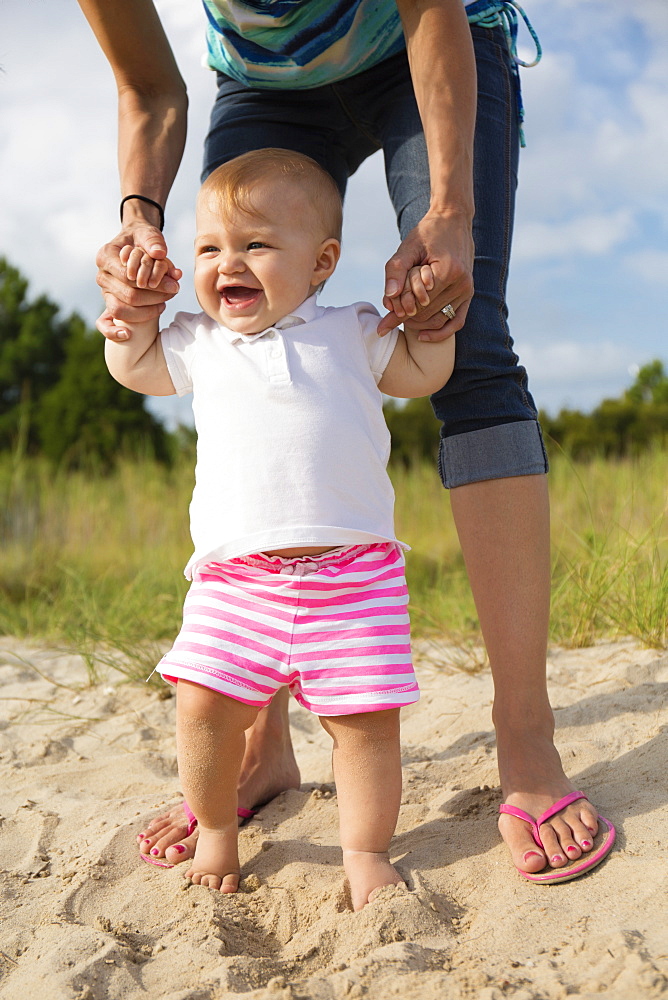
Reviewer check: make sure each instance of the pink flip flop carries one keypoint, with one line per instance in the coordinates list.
(244, 814)
(605, 838)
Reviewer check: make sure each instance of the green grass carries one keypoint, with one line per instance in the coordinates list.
(610, 552)
(610, 540)
(95, 562)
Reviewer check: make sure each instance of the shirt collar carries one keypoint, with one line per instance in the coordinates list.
(304, 313)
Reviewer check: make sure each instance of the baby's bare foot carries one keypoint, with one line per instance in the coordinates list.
(216, 861)
(367, 872)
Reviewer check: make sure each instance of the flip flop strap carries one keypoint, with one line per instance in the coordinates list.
(190, 816)
(192, 819)
(558, 806)
(526, 818)
(535, 824)
(246, 813)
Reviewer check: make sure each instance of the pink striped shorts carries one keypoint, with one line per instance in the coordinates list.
(333, 628)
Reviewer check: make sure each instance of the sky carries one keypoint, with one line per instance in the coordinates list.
(589, 273)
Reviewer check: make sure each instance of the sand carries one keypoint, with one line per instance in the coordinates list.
(83, 767)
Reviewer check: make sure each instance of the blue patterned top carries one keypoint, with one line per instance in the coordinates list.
(300, 43)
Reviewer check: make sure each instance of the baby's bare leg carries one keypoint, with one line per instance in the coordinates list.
(210, 743)
(367, 769)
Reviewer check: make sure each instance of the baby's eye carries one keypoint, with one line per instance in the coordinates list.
(256, 245)
(208, 249)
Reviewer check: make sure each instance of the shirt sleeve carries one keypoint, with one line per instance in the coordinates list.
(178, 345)
(378, 349)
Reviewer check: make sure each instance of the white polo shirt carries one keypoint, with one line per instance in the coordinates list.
(292, 444)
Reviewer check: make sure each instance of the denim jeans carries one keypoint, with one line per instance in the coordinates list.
(488, 419)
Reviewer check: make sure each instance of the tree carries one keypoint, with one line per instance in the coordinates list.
(636, 421)
(56, 396)
(616, 427)
(650, 386)
(32, 349)
(414, 430)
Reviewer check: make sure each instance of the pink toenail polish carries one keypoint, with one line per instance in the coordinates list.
(147, 840)
(572, 850)
(556, 859)
(586, 843)
(531, 854)
(155, 851)
(179, 847)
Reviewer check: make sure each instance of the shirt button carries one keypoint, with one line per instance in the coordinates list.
(271, 335)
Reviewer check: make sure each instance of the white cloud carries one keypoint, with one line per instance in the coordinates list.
(650, 265)
(577, 361)
(594, 167)
(592, 176)
(593, 235)
(576, 374)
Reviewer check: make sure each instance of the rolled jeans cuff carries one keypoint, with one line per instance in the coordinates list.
(501, 452)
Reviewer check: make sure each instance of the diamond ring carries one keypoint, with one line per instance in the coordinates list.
(448, 311)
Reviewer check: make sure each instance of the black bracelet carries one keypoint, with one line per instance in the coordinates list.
(149, 201)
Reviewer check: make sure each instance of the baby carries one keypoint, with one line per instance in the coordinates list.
(297, 576)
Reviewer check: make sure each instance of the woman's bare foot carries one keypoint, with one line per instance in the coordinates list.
(532, 779)
(367, 872)
(268, 768)
(166, 836)
(216, 861)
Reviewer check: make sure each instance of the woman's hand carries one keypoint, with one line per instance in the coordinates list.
(440, 248)
(136, 278)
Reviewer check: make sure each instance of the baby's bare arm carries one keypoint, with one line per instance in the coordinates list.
(417, 367)
(139, 363)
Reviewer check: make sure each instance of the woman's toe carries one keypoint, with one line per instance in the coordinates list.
(526, 854)
(583, 837)
(183, 851)
(531, 861)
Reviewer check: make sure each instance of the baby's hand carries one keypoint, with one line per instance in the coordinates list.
(142, 269)
(420, 281)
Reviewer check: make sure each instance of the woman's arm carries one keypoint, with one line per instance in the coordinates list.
(442, 62)
(152, 110)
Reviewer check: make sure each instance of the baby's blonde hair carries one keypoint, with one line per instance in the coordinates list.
(233, 185)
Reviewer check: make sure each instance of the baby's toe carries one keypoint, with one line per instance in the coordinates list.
(210, 881)
(230, 883)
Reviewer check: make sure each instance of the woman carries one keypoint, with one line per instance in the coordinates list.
(338, 80)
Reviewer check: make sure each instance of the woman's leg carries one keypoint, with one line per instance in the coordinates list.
(210, 739)
(366, 758)
(503, 527)
(492, 459)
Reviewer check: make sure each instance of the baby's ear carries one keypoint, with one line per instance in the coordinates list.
(326, 260)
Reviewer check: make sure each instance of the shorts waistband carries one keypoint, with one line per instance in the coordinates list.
(301, 565)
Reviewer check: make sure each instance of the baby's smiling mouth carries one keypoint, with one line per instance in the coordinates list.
(239, 296)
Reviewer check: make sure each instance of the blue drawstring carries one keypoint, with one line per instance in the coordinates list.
(490, 14)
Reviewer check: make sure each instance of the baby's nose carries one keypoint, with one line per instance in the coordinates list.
(229, 262)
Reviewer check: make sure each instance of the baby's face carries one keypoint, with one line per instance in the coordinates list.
(251, 270)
